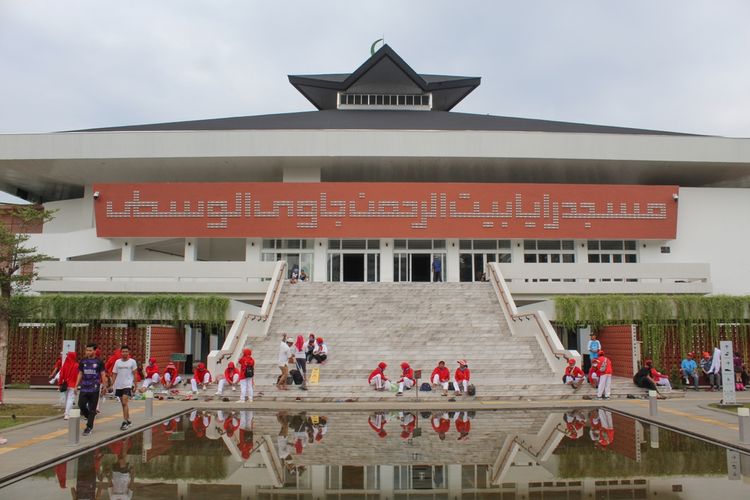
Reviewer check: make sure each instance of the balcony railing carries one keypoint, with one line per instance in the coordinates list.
(543, 279)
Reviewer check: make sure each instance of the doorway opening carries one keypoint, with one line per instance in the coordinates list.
(354, 266)
(420, 267)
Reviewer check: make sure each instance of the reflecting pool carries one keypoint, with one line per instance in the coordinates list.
(582, 453)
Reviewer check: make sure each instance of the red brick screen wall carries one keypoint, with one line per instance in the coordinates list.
(32, 350)
(625, 442)
(166, 340)
(617, 344)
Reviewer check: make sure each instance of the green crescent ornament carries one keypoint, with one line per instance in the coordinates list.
(372, 47)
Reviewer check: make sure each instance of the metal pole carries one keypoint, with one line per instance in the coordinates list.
(149, 404)
(654, 436)
(743, 415)
(653, 410)
(74, 426)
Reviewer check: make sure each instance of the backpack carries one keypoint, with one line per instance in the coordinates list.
(297, 376)
(425, 387)
(471, 390)
(249, 371)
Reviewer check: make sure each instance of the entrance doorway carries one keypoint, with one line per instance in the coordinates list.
(420, 267)
(354, 266)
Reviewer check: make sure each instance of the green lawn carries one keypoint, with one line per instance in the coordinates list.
(24, 414)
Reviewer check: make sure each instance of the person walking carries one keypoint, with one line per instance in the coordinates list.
(285, 356)
(67, 381)
(90, 383)
(247, 374)
(123, 371)
(231, 377)
(462, 377)
(406, 380)
(605, 376)
(437, 269)
(441, 376)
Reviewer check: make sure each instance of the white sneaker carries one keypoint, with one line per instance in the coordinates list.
(241, 400)
(66, 417)
(217, 394)
(234, 388)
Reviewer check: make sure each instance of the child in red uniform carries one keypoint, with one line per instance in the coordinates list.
(68, 380)
(605, 376)
(378, 379)
(463, 425)
(377, 423)
(573, 375)
(247, 375)
(461, 377)
(441, 375)
(152, 375)
(406, 380)
(231, 377)
(170, 377)
(441, 424)
(200, 376)
(594, 373)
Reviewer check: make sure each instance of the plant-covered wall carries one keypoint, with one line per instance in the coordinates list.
(61, 308)
(662, 319)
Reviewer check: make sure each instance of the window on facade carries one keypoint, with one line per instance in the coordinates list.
(287, 244)
(612, 251)
(548, 251)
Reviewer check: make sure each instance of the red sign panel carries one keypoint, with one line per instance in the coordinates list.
(388, 210)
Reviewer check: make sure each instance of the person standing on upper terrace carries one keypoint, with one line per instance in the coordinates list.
(594, 347)
(437, 269)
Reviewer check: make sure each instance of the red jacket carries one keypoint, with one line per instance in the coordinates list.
(245, 443)
(230, 372)
(407, 372)
(152, 368)
(172, 370)
(69, 371)
(110, 364)
(605, 365)
(444, 373)
(573, 371)
(463, 426)
(245, 361)
(443, 425)
(200, 373)
(376, 371)
(462, 374)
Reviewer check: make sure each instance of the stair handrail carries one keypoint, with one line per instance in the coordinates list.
(239, 332)
(551, 346)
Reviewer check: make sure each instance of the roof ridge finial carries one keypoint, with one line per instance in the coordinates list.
(372, 47)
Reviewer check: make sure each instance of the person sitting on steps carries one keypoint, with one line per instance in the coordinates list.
(573, 375)
(320, 352)
(461, 377)
(441, 375)
(406, 380)
(378, 379)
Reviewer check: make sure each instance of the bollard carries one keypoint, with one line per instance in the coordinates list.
(149, 404)
(743, 414)
(653, 410)
(654, 436)
(74, 426)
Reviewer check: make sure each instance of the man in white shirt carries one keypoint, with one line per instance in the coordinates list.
(124, 381)
(285, 352)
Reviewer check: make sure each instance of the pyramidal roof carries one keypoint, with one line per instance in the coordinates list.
(384, 73)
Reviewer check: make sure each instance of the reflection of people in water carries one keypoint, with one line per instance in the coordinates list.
(87, 474)
(231, 423)
(463, 425)
(170, 426)
(246, 434)
(408, 424)
(377, 423)
(441, 424)
(595, 426)
(574, 424)
(200, 423)
(320, 428)
(607, 433)
(121, 477)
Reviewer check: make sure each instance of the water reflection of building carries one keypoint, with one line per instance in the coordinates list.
(509, 454)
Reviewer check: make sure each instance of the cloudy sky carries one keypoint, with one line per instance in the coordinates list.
(678, 65)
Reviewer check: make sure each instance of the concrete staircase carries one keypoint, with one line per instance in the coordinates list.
(364, 323)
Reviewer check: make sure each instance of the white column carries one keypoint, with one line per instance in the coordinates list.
(318, 481)
(320, 260)
(87, 210)
(253, 249)
(191, 249)
(453, 474)
(128, 251)
(452, 266)
(516, 250)
(386, 260)
(386, 480)
(582, 251)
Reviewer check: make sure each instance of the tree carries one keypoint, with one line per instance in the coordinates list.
(17, 271)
